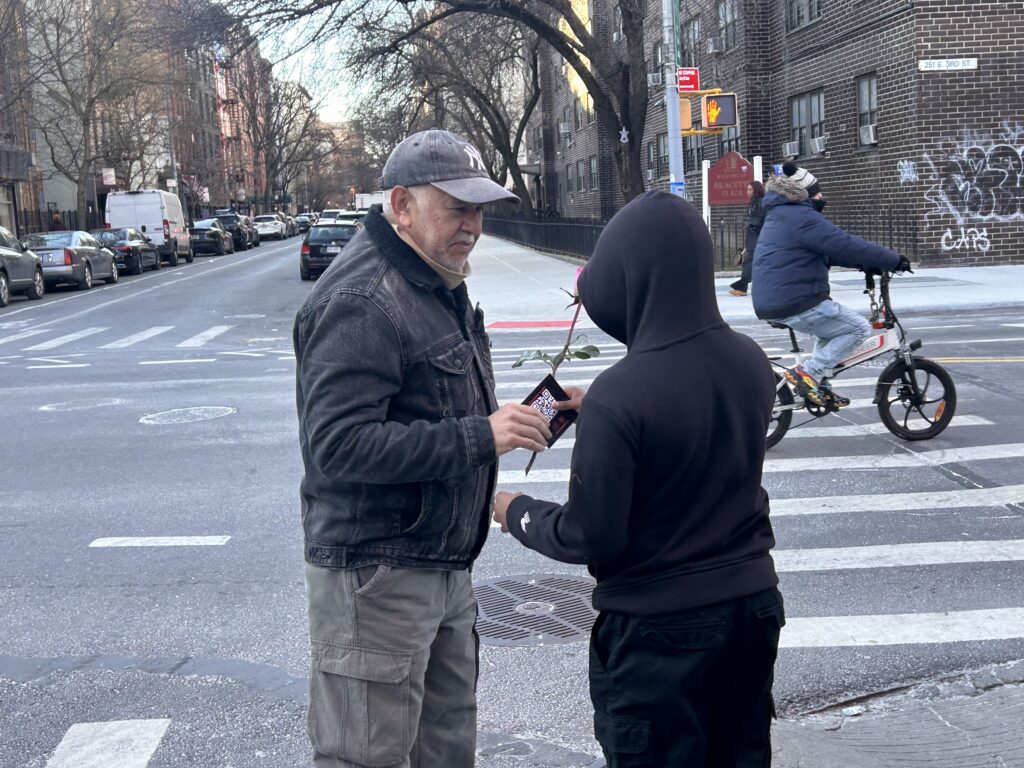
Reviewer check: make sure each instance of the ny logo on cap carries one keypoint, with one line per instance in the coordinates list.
(476, 162)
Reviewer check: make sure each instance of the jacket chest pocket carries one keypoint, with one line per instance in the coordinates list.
(453, 375)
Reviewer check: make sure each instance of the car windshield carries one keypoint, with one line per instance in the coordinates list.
(229, 219)
(48, 240)
(110, 235)
(331, 214)
(266, 218)
(332, 234)
(205, 224)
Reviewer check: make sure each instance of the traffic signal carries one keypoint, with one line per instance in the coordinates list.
(719, 111)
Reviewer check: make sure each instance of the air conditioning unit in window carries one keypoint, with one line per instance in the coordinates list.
(715, 45)
(818, 145)
(653, 79)
(791, 149)
(565, 128)
(868, 135)
(651, 174)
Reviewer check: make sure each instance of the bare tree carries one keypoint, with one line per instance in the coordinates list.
(607, 64)
(85, 59)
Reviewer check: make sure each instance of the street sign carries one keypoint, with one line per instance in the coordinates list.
(678, 188)
(728, 180)
(687, 79)
(946, 65)
(109, 177)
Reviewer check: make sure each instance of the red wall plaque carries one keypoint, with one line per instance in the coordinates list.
(728, 179)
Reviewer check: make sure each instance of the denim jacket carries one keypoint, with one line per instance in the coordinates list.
(394, 387)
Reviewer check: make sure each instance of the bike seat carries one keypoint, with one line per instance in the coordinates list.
(775, 324)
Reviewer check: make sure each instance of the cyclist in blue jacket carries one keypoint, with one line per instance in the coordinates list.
(796, 247)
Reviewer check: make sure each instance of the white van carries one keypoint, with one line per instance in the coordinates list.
(158, 215)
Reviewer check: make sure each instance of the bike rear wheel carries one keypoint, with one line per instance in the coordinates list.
(782, 411)
(913, 417)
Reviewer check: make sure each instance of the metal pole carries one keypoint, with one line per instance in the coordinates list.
(758, 168)
(704, 166)
(670, 24)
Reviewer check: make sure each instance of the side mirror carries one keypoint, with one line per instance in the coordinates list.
(143, 227)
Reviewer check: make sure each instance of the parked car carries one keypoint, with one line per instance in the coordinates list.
(254, 236)
(233, 223)
(303, 221)
(320, 245)
(72, 256)
(156, 214)
(210, 236)
(133, 251)
(330, 214)
(270, 225)
(21, 271)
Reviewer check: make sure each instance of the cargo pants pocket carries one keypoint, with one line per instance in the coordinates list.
(359, 705)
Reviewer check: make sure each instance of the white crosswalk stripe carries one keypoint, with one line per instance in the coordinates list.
(135, 338)
(60, 341)
(114, 744)
(20, 336)
(202, 338)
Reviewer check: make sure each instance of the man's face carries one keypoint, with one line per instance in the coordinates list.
(444, 227)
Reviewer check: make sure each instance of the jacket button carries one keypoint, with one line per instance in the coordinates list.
(458, 361)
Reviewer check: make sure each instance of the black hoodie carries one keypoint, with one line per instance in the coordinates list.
(665, 498)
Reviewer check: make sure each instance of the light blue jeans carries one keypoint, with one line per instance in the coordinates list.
(838, 330)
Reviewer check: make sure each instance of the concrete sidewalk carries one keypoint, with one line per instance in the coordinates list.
(501, 268)
(974, 719)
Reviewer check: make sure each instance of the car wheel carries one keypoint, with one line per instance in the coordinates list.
(304, 274)
(114, 275)
(136, 267)
(5, 290)
(86, 282)
(38, 287)
(159, 262)
(172, 258)
(191, 256)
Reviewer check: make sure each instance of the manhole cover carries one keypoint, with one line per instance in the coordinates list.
(542, 609)
(188, 415)
(82, 405)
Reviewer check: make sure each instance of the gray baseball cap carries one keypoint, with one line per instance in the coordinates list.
(448, 162)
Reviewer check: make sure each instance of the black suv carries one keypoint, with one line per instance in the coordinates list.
(233, 223)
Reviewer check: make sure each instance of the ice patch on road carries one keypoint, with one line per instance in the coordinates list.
(188, 415)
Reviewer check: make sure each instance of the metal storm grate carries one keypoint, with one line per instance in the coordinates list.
(534, 610)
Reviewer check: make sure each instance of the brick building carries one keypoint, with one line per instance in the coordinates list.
(911, 114)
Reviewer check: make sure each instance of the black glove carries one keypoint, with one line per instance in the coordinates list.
(904, 265)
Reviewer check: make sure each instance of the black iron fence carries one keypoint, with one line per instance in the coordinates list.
(42, 221)
(575, 237)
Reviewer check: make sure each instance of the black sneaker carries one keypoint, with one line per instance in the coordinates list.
(804, 385)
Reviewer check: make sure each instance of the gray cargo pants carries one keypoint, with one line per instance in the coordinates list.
(394, 666)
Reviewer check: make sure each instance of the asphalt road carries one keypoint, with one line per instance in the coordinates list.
(172, 415)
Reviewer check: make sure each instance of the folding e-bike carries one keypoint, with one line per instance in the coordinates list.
(916, 397)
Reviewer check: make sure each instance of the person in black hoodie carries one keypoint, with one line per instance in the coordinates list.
(666, 506)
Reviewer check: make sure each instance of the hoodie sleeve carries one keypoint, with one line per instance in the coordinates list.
(841, 249)
(592, 526)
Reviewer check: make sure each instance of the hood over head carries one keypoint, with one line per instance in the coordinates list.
(787, 188)
(651, 278)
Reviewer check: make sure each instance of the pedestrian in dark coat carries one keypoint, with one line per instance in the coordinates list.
(666, 506)
(755, 218)
(794, 252)
(56, 225)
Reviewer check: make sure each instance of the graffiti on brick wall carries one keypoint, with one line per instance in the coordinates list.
(966, 239)
(976, 179)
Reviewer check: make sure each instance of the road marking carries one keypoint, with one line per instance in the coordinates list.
(22, 335)
(201, 338)
(903, 628)
(820, 463)
(976, 341)
(161, 541)
(135, 338)
(114, 744)
(178, 362)
(61, 340)
(978, 359)
(244, 354)
(604, 346)
(1013, 325)
(898, 555)
(57, 365)
(940, 327)
(900, 502)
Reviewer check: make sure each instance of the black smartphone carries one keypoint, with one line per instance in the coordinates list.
(543, 398)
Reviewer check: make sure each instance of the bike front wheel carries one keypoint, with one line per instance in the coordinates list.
(921, 416)
(782, 411)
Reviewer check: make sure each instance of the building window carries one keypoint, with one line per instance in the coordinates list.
(568, 179)
(617, 33)
(565, 128)
(651, 162)
(731, 140)
(806, 119)
(658, 56)
(867, 109)
(662, 155)
(801, 12)
(727, 23)
(593, 171)
(691, 40)
(590, 109)
(578, 113)
(693, 150)
(581, 175)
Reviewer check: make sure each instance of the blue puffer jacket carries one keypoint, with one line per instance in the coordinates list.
(796, 247)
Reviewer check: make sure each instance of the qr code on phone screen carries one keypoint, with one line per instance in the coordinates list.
(545, 403)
